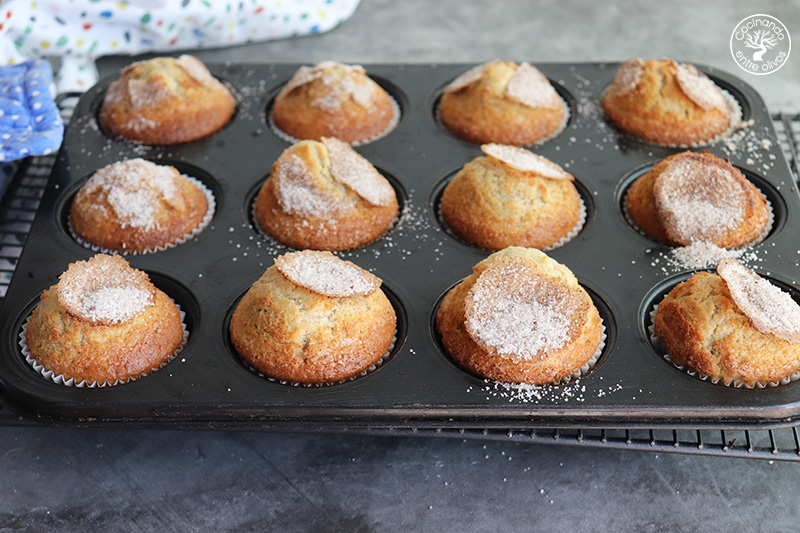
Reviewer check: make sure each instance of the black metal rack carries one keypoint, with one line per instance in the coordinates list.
(20, 202)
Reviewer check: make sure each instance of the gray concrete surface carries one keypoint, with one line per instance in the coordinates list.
(117, 480)
(55, 479)
(425, 31)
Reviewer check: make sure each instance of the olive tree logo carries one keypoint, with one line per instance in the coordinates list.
(760, 44)
(761, 40)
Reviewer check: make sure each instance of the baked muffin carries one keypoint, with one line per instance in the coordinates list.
(325, 196)
(521, 317)
(334, 100)
(313, 318)
(103, 323)
(135, 206)
(502, 102)
(664, 102)
(697, 197)
(166, 101)
(511, 197)
(732, 326)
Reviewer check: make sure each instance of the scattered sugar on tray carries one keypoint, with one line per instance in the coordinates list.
(105, 290)
(135, 189)
(769, 309)
(699, 88)
(351, 169)
(530, 87)
(524, 160)
(752, 144)
(525, 393)
(324, 273)
(702, 254)
(698, 255)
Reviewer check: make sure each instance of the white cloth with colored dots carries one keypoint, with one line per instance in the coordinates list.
(79, 31)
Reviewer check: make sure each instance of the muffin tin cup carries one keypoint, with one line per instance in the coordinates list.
(524, 392)
(367, 371)
(556, 132)
(561, 242)
(392, 125)
(736, 252)
(736, 123)
(275, 243)
(735, 383)
(209, 386)
(210, 210)
(59, 379)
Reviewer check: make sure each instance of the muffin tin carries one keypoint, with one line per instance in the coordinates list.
(418, 385)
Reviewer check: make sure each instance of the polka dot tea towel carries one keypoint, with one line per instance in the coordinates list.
(78, 31)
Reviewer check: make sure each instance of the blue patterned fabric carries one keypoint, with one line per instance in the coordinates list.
(29, 120)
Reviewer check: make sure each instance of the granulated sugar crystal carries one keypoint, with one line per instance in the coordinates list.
(351, 169)
(698, 200)
(296, 191)
(134, 190)
(769, 309)
(699, 88)
(518, 312)
(104, 290)
(525, 160)
(530, 87)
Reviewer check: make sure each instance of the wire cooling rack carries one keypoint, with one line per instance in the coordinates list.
(21, 199)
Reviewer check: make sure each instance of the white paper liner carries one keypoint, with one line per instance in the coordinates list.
(372, 368)
(755, 242)
(72, 382)
(276, 243)
(392, 125)
(736, 123)
(735, 383)
(210, 210)
(561, 242)
(577, 374)
(558, 131)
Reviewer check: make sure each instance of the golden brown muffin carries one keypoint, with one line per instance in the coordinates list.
(166, 101)
(136, 205)
(511, 197)
(504, 103)
(103, 322)
(325, 196)
(313, 318)
(690, 197)
(665, 102)
(521, 317)
(735, 326)
(334, 100)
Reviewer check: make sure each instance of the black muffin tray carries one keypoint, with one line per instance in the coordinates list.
(208, 386)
